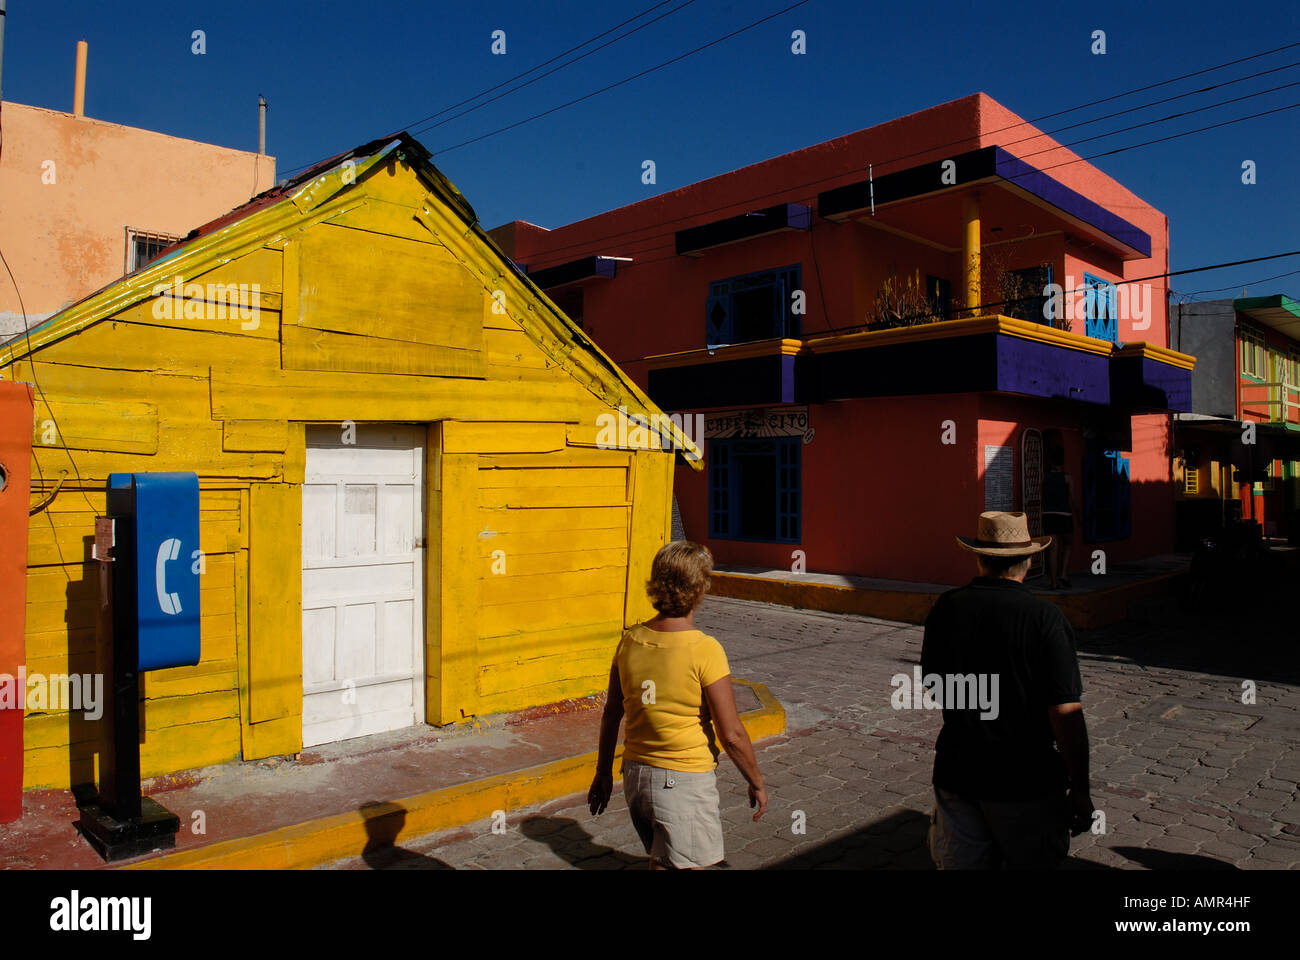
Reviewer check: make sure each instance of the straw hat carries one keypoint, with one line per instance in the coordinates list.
(1004, 535)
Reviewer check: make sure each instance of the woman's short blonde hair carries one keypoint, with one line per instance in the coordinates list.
(679, 577)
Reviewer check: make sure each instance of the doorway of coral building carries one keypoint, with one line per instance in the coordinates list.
(363, 505)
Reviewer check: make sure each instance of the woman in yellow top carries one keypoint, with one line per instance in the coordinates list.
(671, 680)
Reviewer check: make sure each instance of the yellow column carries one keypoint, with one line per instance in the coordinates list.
(970, 250)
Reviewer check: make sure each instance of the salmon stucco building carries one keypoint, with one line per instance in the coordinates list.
(888, 333)
(407, 512)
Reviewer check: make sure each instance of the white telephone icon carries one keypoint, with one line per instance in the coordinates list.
(167, 550)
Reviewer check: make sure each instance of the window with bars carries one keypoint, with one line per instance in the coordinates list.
(1101, 318)
(1191, 480)
(754, 306)
(143, 246)
(754, 489)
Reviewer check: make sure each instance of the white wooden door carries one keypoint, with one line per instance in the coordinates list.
(362, 582)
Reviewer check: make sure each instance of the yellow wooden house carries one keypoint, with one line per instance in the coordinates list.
(409, 508)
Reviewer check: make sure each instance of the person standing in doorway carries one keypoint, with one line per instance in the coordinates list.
(1058, 518)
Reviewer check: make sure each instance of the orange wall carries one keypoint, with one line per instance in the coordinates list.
(66, 239)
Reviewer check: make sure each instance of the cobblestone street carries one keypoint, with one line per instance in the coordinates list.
(1186, 774)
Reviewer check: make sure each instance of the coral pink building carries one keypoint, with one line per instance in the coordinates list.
(889, 333)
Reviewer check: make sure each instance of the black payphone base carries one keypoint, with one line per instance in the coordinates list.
(115, 839)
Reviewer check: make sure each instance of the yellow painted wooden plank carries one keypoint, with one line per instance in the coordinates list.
(532, 497)
(273, 738)
(459, 589)
(511, 347)
(233, 314)
(524, 697)
(291, 284)
(548, 614)
(552, 477)
(174, 714)
(649, 530)
(263, 394)
(487, 436)
(544, 643)
(295, 457)
(552, 586)
(275, 601)
(528, 543)
(310, 349)
(551, 519)
(544, 672)
(196, 745)
(263, 266)
(255, 435)
(93, 424)
(219, 675)
(384, 216)
(433, 573)
(529, 564)
(569, 457)
(354, 281)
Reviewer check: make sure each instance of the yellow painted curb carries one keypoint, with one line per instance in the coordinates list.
(350, 834)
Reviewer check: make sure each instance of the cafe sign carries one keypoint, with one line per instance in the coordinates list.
(761, 424)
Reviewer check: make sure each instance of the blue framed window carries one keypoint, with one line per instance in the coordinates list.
(755, 489)
(1106, 495)
(754, 306)
(1101, 318)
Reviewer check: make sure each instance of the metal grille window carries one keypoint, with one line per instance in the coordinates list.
(1191, 480)
(1101, 319)
(143, 246)
(755, 306)
(754, 489)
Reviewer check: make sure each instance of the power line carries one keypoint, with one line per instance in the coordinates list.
(897, 205)
(482, 93)
(1064, 293)
(31, 361)
(549, 72)
(960, 141)
(619, 83)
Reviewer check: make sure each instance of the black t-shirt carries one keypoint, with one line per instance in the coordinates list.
(997, 628)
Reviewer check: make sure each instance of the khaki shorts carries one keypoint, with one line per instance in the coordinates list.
(675, 813)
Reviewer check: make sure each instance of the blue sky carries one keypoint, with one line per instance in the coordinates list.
(339, 73)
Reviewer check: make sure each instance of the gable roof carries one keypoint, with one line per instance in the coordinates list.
(288, 207)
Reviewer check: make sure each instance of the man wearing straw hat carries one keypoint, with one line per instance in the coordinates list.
(1010, 783)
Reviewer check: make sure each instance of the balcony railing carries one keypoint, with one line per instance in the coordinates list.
(1281, 405)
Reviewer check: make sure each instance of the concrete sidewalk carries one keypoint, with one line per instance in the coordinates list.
(1092, 601)
(357, 796)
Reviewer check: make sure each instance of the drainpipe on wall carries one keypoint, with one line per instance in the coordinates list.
(79, 90)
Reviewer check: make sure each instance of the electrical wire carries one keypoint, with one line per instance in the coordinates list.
(619, 83)
(518, 76)
(786, 190)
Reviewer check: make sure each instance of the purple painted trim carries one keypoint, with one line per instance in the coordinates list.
(1031, 179)
(787, 378)
(1043, 370)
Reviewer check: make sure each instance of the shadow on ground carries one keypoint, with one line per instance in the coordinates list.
(384, 822)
